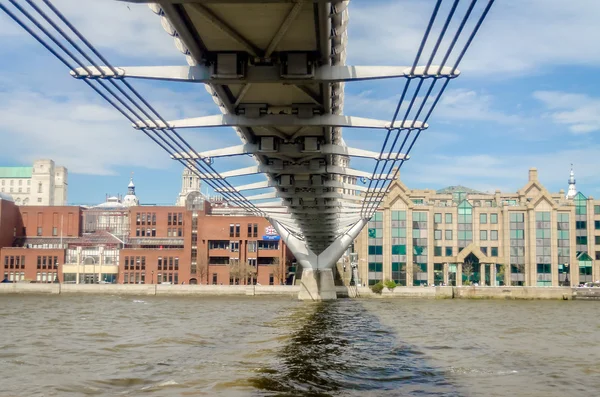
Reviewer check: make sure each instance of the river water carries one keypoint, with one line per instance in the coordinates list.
(158, 346)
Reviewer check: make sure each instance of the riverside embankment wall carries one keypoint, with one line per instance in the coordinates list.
(292, 291)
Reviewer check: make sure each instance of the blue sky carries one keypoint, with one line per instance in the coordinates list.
(527, 97)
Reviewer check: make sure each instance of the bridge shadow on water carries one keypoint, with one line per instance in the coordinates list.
(339, 348)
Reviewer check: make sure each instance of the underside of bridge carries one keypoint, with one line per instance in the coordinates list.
(276, 69)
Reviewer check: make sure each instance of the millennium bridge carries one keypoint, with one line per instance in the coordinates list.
(277, 71)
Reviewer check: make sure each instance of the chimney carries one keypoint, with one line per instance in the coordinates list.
(533, 176)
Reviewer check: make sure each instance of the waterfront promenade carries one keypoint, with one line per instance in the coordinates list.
(470, 292)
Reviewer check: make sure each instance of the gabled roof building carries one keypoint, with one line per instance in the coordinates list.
(458, 236)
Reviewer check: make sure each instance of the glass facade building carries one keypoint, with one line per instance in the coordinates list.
(459, 236)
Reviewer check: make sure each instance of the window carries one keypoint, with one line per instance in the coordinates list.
(214, 278)
(251, 246)
(448, 235)
(437, 218)
(581, 240)
(268, 245)
(231, 229)
(237, 230)
(39, 231)
(448, 218)
(494, 251)
(437, 234)
(597, 225)
(493, 235)
(493, 218)
(597, 240)
(597, 209)
(39, 187)
(180, 219)
(437, 251)
(448, 251)
(483, 234)
(255, 230)
(234, 246)
(484, 250)
(39, 200)
(249, 230)
(580, 225)
(54, 231)
(169, 219)
(482, 218)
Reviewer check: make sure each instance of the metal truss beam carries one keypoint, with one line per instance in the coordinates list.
(265, 74)
(281, 120)
(297, 169)
(291, 149)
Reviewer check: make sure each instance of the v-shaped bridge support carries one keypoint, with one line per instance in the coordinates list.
(317, 270)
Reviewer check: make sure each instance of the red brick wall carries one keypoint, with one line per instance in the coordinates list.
(217, 228)
(151, 260)
(31, 256)
(10, 222)
(51, 220)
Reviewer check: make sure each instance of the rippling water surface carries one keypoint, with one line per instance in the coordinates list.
(107, 346)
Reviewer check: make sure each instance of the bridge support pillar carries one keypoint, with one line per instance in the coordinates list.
(317, 285)
(317, 270)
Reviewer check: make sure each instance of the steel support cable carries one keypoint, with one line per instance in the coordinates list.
(62, 59)
(202, 164)
(238, 197)
(387, 137)
(453, 43)
(406, 86)
(381, 194)
(208, 170)
(380, 183)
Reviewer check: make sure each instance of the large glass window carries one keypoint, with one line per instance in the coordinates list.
(543, 248)
(585, 267)
(448, 218)
(517, 248)
(399, 273)
(375, 259)
(465, 224)
(420, 247)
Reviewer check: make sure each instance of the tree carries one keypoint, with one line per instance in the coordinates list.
(467, 270)
(202, 270)
(277, 271)
(501, 274)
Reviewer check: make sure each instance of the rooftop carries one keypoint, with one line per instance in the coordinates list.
(456, 189)
(16, 172)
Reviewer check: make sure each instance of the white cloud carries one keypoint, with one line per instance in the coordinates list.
(506, 172)
(455, 105)
(517, 36)
(124, 28)
(581, 113)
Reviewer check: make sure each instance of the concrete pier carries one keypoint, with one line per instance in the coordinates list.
(317, 285)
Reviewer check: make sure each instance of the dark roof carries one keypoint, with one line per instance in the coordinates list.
(456, 189)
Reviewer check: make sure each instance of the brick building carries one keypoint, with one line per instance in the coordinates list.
(114, 243)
